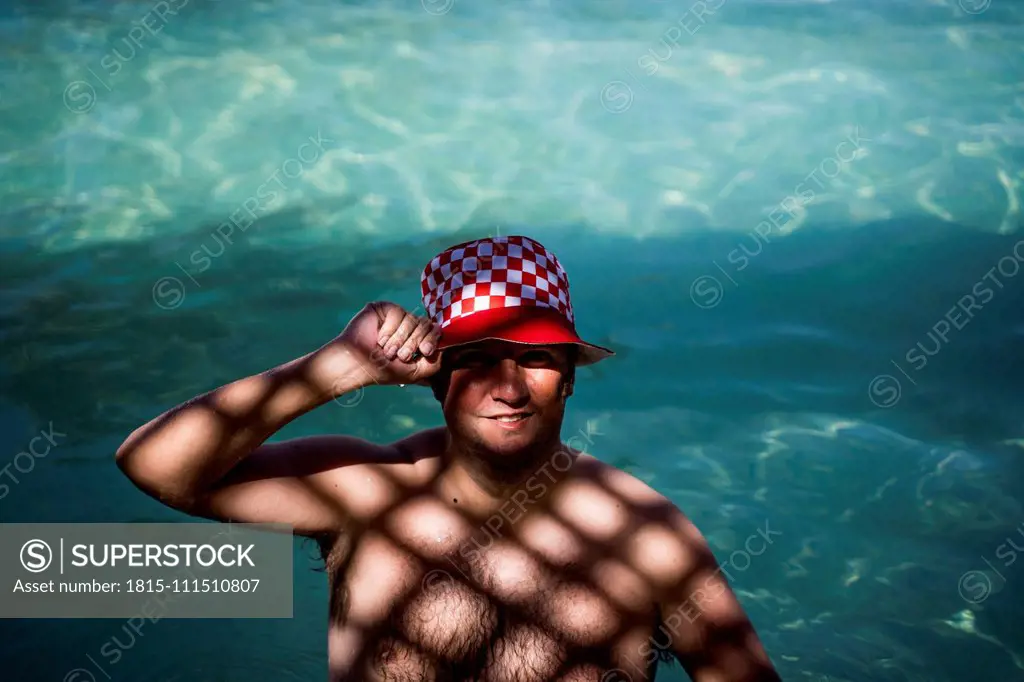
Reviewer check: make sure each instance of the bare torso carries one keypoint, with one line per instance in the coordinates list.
(544, 589)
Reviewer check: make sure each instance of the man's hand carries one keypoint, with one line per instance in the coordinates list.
(391, 345)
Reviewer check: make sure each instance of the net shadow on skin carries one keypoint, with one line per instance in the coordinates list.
(721, 652)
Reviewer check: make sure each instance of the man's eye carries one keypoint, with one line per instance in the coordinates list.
(471, 360)
(535, 358)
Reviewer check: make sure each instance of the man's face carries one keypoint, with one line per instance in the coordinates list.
(505, 398)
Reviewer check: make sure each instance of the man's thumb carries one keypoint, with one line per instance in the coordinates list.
(426, 367)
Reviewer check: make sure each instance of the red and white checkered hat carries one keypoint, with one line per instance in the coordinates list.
(507, 288)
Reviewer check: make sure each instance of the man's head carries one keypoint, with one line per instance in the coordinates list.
(509, 342)
(505, 400)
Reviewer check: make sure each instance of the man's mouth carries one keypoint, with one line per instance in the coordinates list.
(511, 418)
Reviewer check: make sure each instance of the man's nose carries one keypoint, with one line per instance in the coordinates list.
(509, 382)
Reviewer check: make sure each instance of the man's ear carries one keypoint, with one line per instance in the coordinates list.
(567, 388)
(570, 380)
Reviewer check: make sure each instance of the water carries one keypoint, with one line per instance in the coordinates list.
(773, 211)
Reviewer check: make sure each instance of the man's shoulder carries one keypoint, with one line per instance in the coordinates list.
(661, 542)
(422, 446)
(637, 496)
(367, 478)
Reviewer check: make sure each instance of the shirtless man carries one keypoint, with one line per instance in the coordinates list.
(486, 549)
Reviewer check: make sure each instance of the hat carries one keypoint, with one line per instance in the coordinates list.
(507, 288)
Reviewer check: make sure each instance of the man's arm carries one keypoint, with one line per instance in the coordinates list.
(208, 457)
(712, 636)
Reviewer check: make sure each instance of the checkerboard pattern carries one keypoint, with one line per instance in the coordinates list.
(499, 272)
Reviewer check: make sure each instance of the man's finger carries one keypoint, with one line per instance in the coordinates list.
(433, 337)
(426, 367)
(392, 320)
(411, 345)
(405, 328)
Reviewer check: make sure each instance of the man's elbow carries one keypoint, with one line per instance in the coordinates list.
(158, 485)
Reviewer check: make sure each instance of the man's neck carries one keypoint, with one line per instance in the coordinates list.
(472, 482)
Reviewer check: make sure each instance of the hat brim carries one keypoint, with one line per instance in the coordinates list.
(527, 325)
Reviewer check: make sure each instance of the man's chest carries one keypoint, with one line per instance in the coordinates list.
(437, 602)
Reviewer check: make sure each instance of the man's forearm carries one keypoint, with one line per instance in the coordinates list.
(185, 451)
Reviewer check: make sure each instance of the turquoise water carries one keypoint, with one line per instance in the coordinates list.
(773, 211)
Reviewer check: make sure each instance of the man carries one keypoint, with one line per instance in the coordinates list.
(482, 550)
